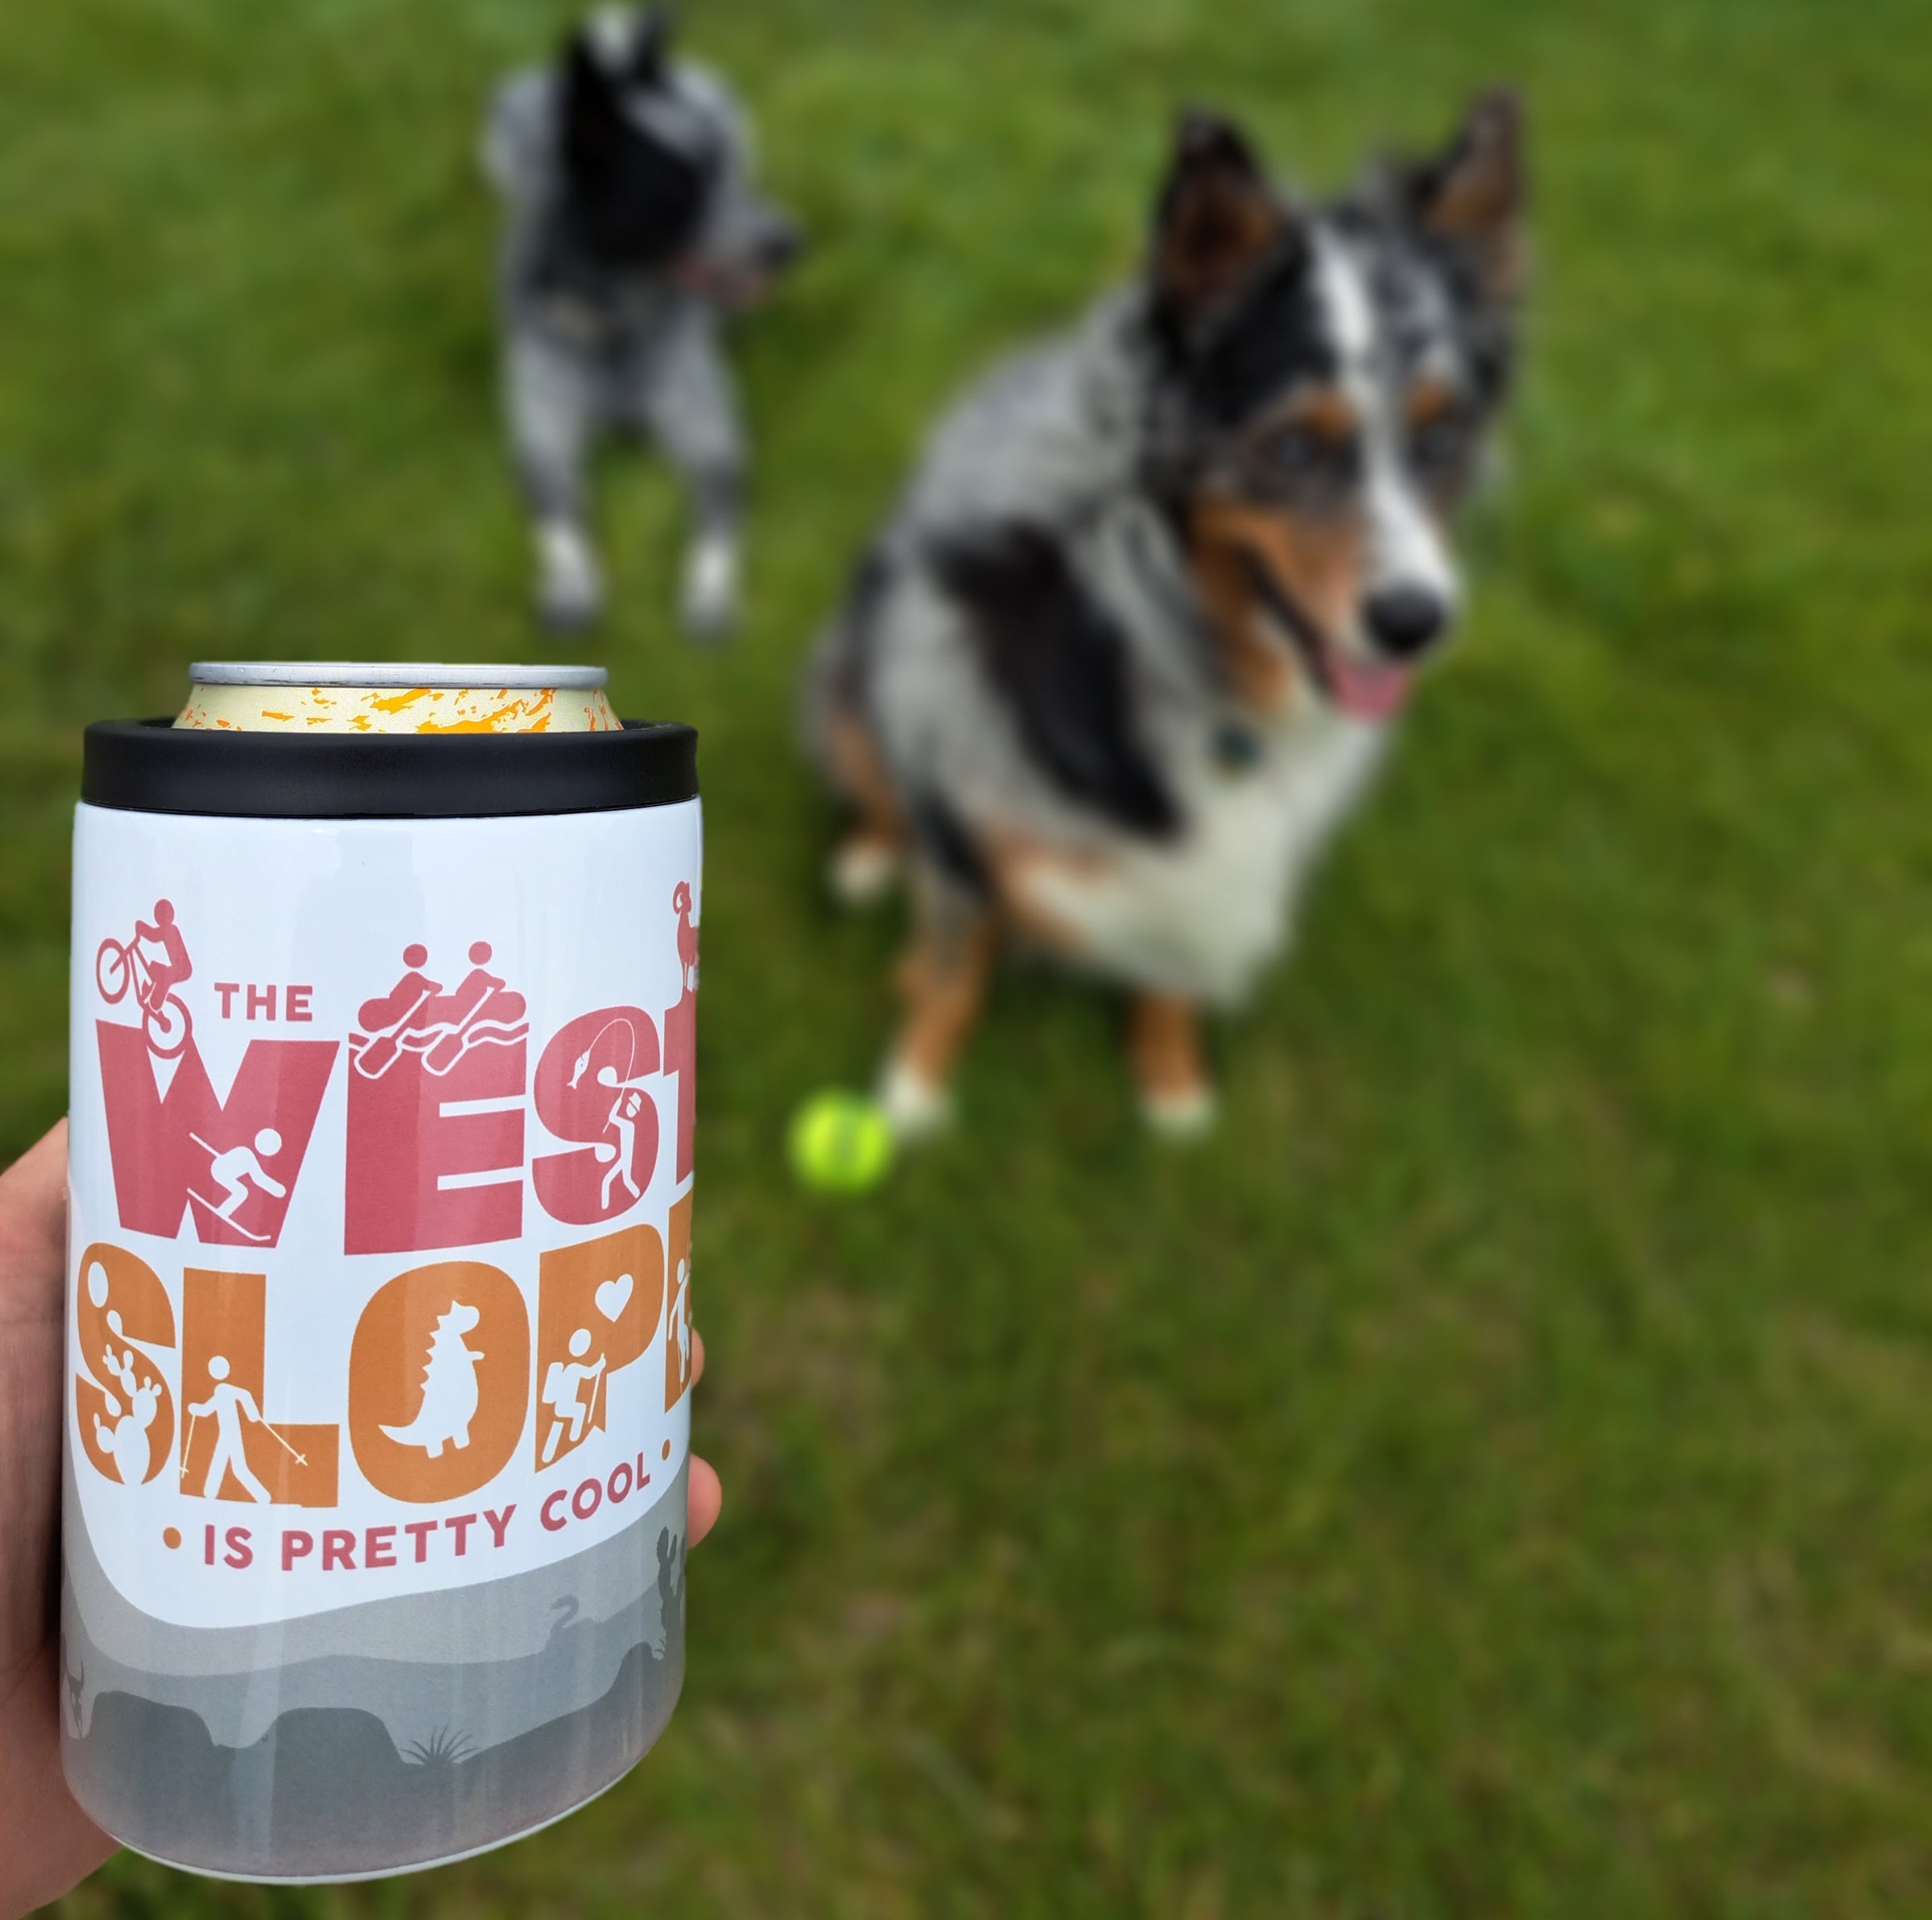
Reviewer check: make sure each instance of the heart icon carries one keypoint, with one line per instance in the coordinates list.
(613, 1296)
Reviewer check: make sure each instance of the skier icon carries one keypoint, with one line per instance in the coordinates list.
(615, 1156)
(450, 1394)
(228, 1405)
(562, 1385)
(233, 1168)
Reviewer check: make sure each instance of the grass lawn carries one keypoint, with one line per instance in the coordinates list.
(1494, 1477)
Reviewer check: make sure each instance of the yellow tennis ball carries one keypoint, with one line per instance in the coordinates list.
(839, 1142)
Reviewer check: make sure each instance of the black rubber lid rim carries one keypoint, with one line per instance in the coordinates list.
(153, 766)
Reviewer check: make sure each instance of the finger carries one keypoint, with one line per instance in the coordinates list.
(697, 1356)
(33, 1230)
(706, 1496)
(47, 1844)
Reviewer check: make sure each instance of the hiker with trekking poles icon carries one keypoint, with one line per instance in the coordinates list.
(154, 962)
(228, 1405)
(562, 1386)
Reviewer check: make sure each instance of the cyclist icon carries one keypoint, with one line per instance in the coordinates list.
(154, 962)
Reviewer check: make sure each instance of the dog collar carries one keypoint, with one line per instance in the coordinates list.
(1236, 750)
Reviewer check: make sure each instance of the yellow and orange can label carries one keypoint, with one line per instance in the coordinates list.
(336, 697)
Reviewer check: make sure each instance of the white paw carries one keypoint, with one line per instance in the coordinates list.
(915, 1106)
(863, 870)
(1189, 1115)
(570, 587)
(710, 601)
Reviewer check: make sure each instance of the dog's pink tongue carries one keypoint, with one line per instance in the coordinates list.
(1368, 689)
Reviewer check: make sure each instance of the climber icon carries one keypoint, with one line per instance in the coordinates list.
(449, 1386)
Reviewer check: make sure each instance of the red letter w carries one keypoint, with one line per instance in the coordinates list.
(235, 1161)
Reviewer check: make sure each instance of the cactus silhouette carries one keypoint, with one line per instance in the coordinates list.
(449, 1386)
(443, 1748)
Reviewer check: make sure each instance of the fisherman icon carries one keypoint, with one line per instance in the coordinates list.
(563, 1385)
(616, 1156)
(238, 1172)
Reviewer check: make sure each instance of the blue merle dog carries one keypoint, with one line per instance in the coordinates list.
(632, 228)
(1129, 648)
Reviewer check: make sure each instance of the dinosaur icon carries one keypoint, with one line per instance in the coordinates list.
(449, 1386)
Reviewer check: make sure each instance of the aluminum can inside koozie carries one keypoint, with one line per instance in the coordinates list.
(379, 1306)
(300, 696)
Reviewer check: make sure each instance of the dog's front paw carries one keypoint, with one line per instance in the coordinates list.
(863, 870)
(915, 1107)
(1181, 1113)
(709, 605)
(570, 585)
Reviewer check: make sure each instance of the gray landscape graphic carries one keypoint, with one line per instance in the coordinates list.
(299, 1751)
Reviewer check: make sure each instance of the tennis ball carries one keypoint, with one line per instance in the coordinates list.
(839, 1142)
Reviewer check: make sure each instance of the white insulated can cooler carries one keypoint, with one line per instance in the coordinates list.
(378, 1283)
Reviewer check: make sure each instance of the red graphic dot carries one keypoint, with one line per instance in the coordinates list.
(416, 956)
(666, 1452)
(479, 953)
(170, 1537)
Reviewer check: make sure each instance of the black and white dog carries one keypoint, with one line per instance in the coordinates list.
(633, 227)
(1129, 648)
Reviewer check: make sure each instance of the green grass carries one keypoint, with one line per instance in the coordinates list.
(1495, 1477)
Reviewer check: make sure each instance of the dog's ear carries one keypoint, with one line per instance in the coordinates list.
(591, 119)
(651, 47)
(1217, 219)
(1473, 194)
(589, 94)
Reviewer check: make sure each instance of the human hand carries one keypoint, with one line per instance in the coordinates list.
(704, 1495)
(47, 1842)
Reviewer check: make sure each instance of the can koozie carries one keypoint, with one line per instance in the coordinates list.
(379, 1285)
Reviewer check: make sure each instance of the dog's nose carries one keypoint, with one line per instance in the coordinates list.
(1405, 619)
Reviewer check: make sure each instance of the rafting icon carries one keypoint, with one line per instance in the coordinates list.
(416, 1016)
